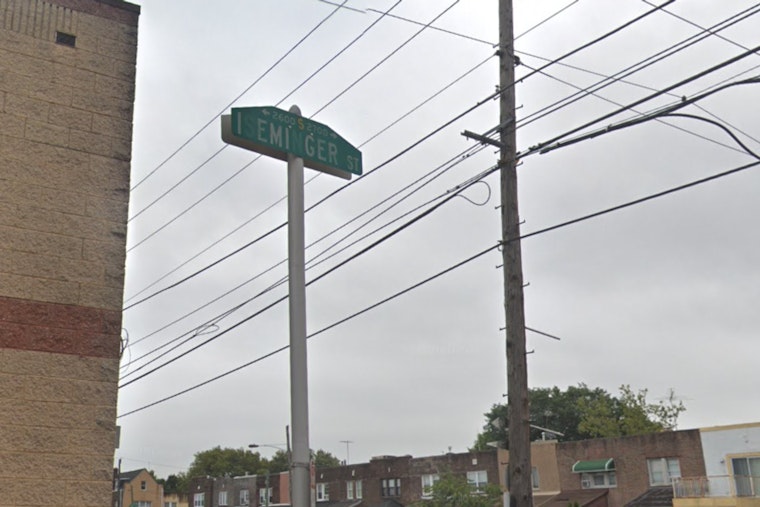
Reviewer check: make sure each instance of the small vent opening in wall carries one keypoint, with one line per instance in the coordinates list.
(66, 39)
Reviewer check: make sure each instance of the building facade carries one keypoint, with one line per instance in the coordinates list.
(137, 488)
(384, 480)
(732, 469)
(67, 79)
(628, 467)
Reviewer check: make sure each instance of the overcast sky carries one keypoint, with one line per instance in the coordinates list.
(661, 295)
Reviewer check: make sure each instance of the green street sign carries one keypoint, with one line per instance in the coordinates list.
(275, 132)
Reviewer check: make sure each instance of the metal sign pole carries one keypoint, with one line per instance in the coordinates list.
(286, 135)
(299, 401)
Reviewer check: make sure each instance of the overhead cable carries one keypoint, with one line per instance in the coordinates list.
(461, 115)
(255, 82)
(637, 67)
(546, 144)
(354, 256)
(208, 194)
(454, 267)
(432, 175)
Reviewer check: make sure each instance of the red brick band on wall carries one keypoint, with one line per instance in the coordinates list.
(63, 329)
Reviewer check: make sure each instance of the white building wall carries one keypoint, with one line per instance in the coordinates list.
(719, 445)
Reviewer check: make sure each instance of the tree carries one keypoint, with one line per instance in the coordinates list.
(323, 459)
(279, 462)
(176, 483)
(454, 491)
(581, 412)
(630, 414)
(218, 462)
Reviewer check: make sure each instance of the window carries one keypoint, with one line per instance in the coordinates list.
(427, 484)
(534, 478)
(245, 497)
(746, 476)
(143, 485)
(199, 500)
(477, 480)
(323, 492)
(390, 487)
(66, 39)
(265, 496)
(222, 498)
(598, 480)
(141, 503)
(354, 490)
(662, 471)
(170, 504)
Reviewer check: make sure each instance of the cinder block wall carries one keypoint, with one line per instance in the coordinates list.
(67, 74)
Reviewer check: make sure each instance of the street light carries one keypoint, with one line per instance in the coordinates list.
(287, 454)
(273, 446)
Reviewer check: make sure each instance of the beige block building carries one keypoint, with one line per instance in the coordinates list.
(67, 78)
(138, 489)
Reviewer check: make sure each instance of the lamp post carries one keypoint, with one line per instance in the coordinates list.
(287, 454)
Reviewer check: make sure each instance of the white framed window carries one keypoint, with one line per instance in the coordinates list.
(245, 497)
(595, 480)
(662, 471)
(354, 490)
(477, 480)
(265, 496)
(199, 500)
(323, 491)
(534, 478)
(427, 484)
(141, 503)
(390, 487)
(143, 485)
(222, 498)
(746, 475)
(170, 504)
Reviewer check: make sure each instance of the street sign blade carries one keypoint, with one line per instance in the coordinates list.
(276, 133)
(229, 138)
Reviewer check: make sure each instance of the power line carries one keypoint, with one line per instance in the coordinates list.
(630, 83)
(456, 266)
(704, 138)
(477, 105)
(637, 67)
(665, 111)
(255, 82)
(617, 29)
(546, 144)
(566, 55)
(354, 256)
(432, 175)
(207, 195)
(476, 39)
(283, 198)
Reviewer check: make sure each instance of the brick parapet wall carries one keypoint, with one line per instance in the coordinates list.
(630, 455)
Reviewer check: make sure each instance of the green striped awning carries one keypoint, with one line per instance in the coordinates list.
(594, 465)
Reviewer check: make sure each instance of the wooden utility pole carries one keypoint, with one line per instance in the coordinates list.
(520, 487)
